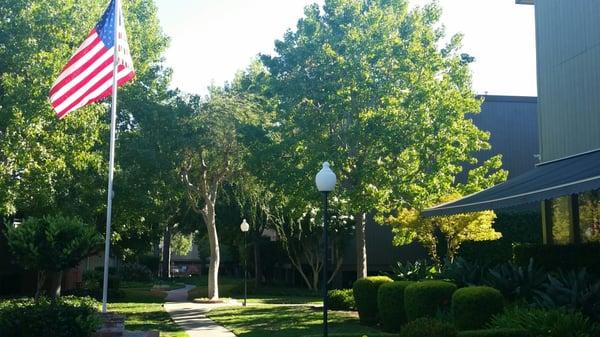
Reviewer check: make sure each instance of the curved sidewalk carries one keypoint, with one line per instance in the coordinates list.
(191, 316)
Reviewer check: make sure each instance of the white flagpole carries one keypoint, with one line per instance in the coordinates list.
(111, 165)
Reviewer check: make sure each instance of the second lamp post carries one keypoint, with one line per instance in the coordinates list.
(325, 181)
(245, 227)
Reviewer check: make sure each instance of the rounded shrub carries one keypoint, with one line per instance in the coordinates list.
(390, 303)
(341, 299)
(63, 317)
(427, 298)
(427, 327)
(474, 307)
(365, 297)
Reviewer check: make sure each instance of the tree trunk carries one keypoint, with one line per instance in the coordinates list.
(215, 256)
(41, 279)
(257, 271)
(361, 245)
(166, 263)
(56, 284)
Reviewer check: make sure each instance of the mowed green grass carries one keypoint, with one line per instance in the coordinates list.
(144, 310)
(272, 320)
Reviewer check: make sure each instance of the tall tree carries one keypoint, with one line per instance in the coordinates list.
(214, 154)
(47, 164)
(364, 85)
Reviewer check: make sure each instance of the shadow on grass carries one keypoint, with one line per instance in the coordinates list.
(292, 321)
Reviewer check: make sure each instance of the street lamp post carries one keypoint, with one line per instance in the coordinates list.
(245, 227)
(325, 181)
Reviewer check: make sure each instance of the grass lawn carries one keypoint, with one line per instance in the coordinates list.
(234, 288)
(259, 320)
(144, 310)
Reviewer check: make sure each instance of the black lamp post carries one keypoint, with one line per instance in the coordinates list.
(245, 227)
(325, 181)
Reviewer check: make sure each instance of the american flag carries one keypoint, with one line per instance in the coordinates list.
(88, 76)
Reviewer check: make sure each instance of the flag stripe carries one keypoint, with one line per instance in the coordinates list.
(83, 87)
(103, 59)
(88, 75)
(83, 49)
(101, 90)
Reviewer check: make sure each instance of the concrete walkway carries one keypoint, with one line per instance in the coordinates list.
(191, 316)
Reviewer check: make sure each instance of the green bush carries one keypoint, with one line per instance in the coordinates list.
(463, 272)
(573, 290)
(495, 333)
(546, 323)
(515, 227)
(63, 317)
(565, 257)
(427, 327)
(427, 298)
(473, 307)
(413, 271)
(365, 297)
(135, 272)
(93, 282)
(516, 282)
(341, 299)
(390, 303)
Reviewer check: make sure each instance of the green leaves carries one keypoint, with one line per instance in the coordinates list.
(52, 243)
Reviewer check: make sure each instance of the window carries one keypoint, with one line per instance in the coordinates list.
(589, 216)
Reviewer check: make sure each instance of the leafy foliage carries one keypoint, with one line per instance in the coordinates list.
(390, 303)
(546, 323)
(64, 317)
(135, 272)
(412, 271)
(427, 298)
(573, 290)
(463, 272)
(473, 307)
(516, 282)
(515, 227)
(46, 163)
(494, 333)
(564, 257)
(365, 296)
(341, 299)
(410, 226)
(427, 327)
(52, 243)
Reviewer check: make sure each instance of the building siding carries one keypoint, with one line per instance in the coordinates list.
(512, 123)
(568, 53)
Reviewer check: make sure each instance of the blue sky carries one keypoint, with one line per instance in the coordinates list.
(212, 39)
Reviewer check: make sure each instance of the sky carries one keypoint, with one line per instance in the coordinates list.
(213, 39)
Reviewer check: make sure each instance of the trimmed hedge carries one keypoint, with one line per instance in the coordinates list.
(474, 307)
(427, 298)
(495, 333)
(341, 299)
(428, 327)
(390, 303)
(565, 257)
(63, 317)
(365, 296)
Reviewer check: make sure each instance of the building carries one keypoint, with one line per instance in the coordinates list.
(567, 179)
(512, 122)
